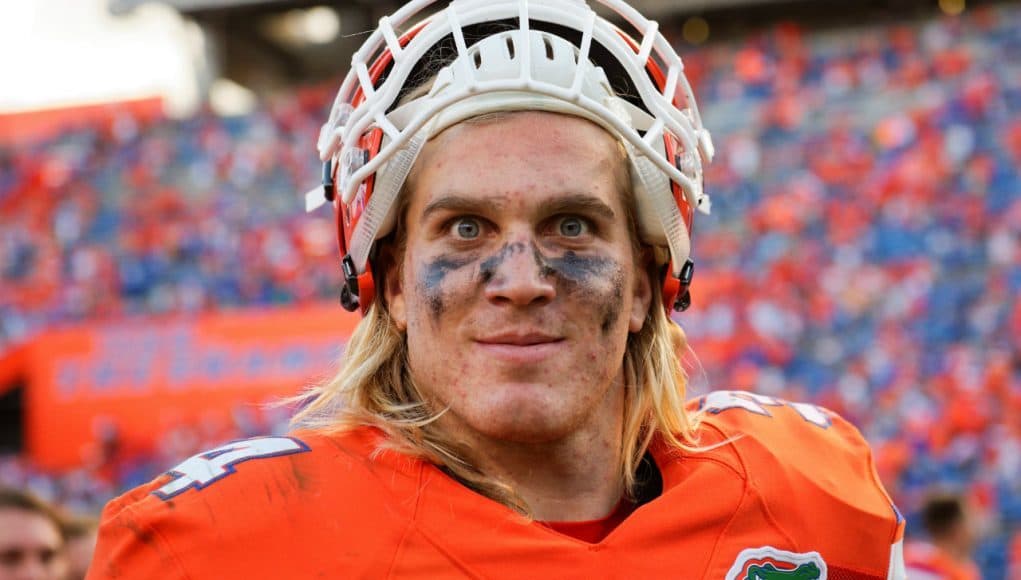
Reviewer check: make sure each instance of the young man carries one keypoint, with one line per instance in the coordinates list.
(80, 534)
(951, 537)
(515, 183)
(32, 545)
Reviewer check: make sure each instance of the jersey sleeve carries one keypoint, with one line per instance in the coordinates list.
(815, 477)
(129, 546)
(150, 531)
(269, 507)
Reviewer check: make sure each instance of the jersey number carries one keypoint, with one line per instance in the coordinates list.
(203, 469)
(719, 401)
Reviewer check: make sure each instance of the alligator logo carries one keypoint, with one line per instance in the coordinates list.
(769, 563)
(768, 571)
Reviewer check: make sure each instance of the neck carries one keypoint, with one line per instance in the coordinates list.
(572, 478)
(952, 548)
(560, 481)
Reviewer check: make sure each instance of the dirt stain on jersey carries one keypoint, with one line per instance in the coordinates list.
(300, 478)
(146, 537)
(141, 534)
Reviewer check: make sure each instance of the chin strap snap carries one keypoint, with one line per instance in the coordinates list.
(349, 291)
(329, 190)
(684, 299)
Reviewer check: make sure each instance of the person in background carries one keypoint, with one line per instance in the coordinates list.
(947, 553)
(32, 542)
(1014, 556)
(80, 534)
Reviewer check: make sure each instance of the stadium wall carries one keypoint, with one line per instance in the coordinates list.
(139, 379)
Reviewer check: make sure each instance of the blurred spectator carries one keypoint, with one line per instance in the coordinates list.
(1014, 565)
(32, 544)
(947, 553)
(80, 534)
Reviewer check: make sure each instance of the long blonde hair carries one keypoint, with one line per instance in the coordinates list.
(374, 387)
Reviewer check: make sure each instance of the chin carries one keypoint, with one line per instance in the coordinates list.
(522, 419)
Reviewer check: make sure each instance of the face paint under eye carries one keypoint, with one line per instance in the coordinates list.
(601, 279)
(545, 269)
(597, 278)
(434, 274)
(581, 268)
(489, 266)
(437, 270)
(612, 308)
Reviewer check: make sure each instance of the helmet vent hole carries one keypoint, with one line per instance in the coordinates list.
(549, 47)
(478, 59)
(510, 47)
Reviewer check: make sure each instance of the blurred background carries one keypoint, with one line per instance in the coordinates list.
(160, 282)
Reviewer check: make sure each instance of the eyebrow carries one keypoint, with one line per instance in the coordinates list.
(455, 203)
(578, 203)
(568, 203)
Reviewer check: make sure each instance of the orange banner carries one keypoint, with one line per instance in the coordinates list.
(24, 126)
(144, 377)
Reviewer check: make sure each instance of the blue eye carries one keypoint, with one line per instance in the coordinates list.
(572, 227)
(467, 228)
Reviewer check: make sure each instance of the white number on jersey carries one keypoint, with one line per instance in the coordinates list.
(203, 469)
(718, 401)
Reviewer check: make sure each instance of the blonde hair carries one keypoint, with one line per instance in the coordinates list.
(374, 386)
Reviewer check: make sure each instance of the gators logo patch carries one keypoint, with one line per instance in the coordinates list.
(769, 563)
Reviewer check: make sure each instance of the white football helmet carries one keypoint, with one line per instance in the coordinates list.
(511, 55)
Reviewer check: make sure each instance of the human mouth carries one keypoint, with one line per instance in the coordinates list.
(521, 348)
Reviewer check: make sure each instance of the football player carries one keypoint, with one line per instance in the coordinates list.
(514, 183)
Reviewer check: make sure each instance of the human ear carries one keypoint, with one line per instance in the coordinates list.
(642, 298)
(393, 288)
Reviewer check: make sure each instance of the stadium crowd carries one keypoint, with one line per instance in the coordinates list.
(863, 253)
(865, 250)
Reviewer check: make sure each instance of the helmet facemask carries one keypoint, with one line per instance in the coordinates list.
(513, 55)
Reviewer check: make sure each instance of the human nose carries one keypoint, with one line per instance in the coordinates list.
(32, 569)
(518, 275)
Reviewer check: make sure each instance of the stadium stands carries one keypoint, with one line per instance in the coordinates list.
(864, 251)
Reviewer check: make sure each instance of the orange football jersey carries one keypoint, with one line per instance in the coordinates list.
(780, 490)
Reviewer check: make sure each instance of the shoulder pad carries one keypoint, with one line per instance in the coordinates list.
(205, 469)
(790, 436)
(270, 489)
(812, 469)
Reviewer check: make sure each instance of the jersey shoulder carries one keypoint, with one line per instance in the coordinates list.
(291, 464)
(783, 429)
(770, 434)
(813, 470)
(269, 490)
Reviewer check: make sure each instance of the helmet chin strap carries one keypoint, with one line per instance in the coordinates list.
(379, 210)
